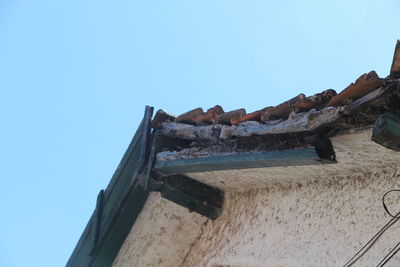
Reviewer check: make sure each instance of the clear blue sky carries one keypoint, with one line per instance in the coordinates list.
(75, 76)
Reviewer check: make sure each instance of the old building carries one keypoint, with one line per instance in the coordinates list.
(297, 184)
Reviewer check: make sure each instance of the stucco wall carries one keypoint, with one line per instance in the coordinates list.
(322, 222)
(287, 216)
(161, 235)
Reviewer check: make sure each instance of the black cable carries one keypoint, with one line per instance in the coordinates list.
(384, 204)
(376, 237)
(391, 253)
(391, 256)
(371, 242)
(385, 260)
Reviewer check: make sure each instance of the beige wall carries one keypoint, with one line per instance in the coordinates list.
(318, 223)
(303, 215)
(162, 235)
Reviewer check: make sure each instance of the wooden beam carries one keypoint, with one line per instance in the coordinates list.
(293, 157)
(194, 195)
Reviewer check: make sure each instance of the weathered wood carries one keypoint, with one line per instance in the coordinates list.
(190, 132)
(97, 221)
(386, 131)
(295, 123)
(110, 223)
(127, 214)
(293, 157)
(194, 195)
(366, 100)
(114, 196)
(145, 175)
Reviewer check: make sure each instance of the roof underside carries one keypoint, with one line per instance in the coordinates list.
(355, 152)
(301, 139)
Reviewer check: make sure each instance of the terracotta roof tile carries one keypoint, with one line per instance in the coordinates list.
(317, 101)
(225, 118)
(365, 84)
(160, 117)
(282, 110)
(190, 115)
(210, 116)
(254, 116)
(395, 69)
(199, 117)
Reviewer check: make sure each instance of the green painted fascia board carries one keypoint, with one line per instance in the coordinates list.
(292, 157)
(107, 253)
(119, 207)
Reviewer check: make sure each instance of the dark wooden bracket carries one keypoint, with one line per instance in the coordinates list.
(386, 131)
(182, 190)
(189, 193)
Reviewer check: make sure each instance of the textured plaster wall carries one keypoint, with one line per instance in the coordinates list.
(161, 235)
(287, 216)
(321, 222)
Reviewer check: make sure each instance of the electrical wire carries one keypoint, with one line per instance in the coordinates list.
(384, 204)
(371, 242)
(389, 255)
(396, 248)
(375, 238)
